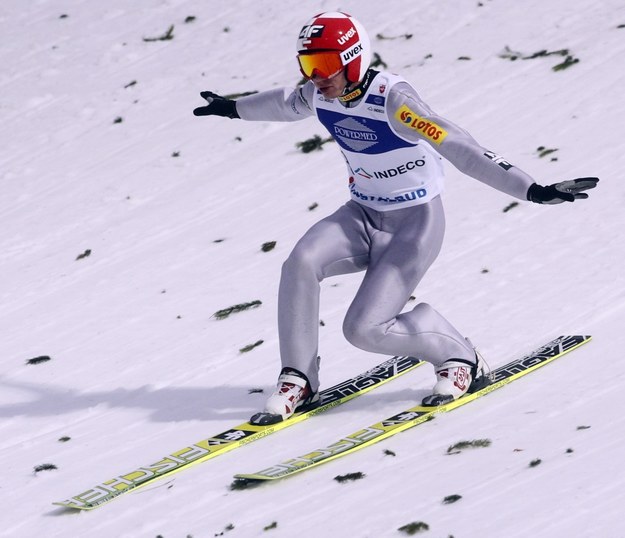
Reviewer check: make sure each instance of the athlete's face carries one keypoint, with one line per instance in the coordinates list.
(331, 87)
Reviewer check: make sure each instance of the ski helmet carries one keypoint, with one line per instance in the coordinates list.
(332, 41)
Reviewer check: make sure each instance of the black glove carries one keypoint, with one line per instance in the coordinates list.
(565, 191)
(217, 106)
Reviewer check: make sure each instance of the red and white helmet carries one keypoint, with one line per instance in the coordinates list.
(331, 42)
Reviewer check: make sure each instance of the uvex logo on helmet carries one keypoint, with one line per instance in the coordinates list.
(345, 38)
(337, 31)
(351, 53)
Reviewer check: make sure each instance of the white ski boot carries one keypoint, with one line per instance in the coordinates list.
(292, 394)
(457, 377)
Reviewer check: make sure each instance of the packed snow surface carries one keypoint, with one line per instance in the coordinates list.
(127, 223)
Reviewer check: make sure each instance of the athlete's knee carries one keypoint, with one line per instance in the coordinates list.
(354, 334)
(421, 319)
(361, 334)
(301, 262)
(422, 311)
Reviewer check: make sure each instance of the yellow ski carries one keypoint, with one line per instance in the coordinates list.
(413, 416)
(240, 435)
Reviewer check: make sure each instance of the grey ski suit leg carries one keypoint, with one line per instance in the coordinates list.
(395, 248)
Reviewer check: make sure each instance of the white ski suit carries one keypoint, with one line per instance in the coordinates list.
(393, 226)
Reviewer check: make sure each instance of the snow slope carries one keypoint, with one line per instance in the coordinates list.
(127, 223)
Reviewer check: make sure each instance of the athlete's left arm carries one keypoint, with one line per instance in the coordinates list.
(415, 121)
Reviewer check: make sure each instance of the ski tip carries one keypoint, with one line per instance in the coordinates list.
(574, 340)
(70, 507)
(582, 337)
(244, 482)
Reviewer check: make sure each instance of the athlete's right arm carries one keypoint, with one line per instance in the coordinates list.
(281, 104)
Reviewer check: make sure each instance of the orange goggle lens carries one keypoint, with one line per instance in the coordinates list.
(324, 64)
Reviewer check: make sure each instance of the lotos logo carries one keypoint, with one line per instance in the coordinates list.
(350, 96)
(427, 128)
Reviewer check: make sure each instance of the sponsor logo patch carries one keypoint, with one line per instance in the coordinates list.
(398, 199)
(354, 134)
(498, 160)
(375, 100)
(425, 127)
(351, 53)
(362, 172)
(351, 95)
(311, 30)
(401, 169)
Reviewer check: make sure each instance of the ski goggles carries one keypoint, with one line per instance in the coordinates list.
(324, 64)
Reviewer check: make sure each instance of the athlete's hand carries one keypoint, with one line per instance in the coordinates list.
(217, 106)
(565, 191)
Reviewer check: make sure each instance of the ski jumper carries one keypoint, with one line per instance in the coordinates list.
(393, 226)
